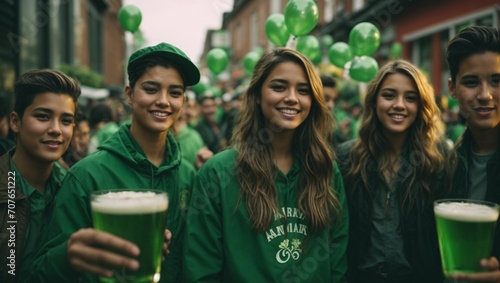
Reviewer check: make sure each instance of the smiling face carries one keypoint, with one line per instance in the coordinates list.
(44, 131)
(477, 87)
(286, 96)
(397, 104)
(156, 100)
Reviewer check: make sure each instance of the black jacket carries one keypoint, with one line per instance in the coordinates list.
(417, 225)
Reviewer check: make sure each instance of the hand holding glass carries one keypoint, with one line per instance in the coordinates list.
(466, 230)
(138, 216)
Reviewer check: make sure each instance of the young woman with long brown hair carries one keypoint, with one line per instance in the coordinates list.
(392, 173)
(272, 207)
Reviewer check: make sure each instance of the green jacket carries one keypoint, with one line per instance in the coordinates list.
(104, 133)
(190, 142)
(118, 163)
(14, 231)
(221, 246)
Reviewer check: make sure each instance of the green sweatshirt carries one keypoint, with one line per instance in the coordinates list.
(118, 163)
(221, 246)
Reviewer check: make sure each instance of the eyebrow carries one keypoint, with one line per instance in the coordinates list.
(157, 84)
(286, 82)
(50, 111)
(394, 90)
(472, 76)
(151, 83)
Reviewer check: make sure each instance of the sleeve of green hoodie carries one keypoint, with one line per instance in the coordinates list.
(339, 235)
(71, 213)
(204, 211)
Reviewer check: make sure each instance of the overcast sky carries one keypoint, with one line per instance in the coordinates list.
(183, 23)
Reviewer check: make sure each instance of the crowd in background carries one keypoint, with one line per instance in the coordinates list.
(209, 117)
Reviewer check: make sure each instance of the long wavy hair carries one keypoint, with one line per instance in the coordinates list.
(423, 140)
(256, 171)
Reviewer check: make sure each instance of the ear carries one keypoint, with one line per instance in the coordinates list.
(15, 122)
(128, 94)
(452, 88)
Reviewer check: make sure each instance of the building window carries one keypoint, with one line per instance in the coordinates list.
(61, 36)
(9, 47)
(32, 35)
(275, 6)
(95, 39)
(421, 41)
(329, 9)
(254, 30)
(445, 38)
(357, 5)
(422, 49)
(238, 44)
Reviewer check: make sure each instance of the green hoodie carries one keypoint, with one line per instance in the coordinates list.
(118, 163)
(221, 246)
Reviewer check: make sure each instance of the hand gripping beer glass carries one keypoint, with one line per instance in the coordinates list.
(466, 231)
(138, 216)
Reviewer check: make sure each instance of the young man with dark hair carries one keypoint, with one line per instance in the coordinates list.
(473, 57)
(43, 121)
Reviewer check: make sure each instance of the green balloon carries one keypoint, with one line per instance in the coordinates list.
(340, 53)
(250, 60)
(396, 50)
(363, 69)
(364, 39)
(301, 16)
(276, 30)
(327, 40)
(310, 47)
(217, 60)
(130, 18)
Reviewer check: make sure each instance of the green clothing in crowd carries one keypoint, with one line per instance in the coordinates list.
(190, 142)
(31, 209)
(104, 133)
(222, 246)
(119, 163)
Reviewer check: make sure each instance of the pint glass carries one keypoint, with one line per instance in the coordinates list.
(465, 230)
(138, 216)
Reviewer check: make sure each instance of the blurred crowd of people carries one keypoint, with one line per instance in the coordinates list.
(208, 118)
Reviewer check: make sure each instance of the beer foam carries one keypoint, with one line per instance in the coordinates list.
(129, 202)
(467, 212)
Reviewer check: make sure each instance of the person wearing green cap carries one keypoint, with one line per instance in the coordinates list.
(142, 154)
(272, 207)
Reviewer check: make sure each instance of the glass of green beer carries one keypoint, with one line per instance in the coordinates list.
(138, 216)
(466, 231)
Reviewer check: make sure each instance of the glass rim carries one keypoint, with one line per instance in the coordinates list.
(465, 200)
(105, 191)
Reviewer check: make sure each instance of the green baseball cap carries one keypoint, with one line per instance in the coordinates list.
(188, 69)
